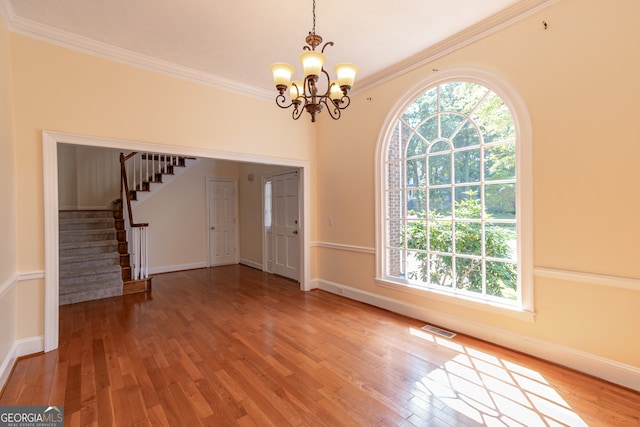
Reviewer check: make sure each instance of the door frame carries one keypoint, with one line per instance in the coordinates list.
(236, 225)
(50, 140)
(302, 229)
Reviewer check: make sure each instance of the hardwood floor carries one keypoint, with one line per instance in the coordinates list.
(234, 346)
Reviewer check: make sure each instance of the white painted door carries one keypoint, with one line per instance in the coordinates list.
(222, 202)
(285, 225)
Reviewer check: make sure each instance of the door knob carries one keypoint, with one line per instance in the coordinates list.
(213, 228)
(295, 231)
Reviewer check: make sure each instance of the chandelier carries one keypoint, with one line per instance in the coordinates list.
(309, 94)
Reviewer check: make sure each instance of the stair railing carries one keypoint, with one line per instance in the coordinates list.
(145, 168)
(138, 246)
(138, 171)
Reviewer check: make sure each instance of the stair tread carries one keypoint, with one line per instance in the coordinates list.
(89, 231)
(90, 257)
(87, 219)
(89, 271)
(95, 213)
(89, 286)
(88, 244)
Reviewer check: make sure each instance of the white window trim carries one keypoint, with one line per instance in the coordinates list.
(524, 179)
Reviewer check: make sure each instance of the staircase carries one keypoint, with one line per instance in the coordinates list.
(93, 257)
(88, 255)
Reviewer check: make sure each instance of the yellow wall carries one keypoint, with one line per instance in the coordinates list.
(579, 79)
(8, 194)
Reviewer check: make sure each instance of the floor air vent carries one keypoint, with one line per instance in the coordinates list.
(438, 331)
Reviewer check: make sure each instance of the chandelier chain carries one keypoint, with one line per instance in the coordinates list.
(313, 30)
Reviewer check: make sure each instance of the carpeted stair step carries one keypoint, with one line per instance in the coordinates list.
(89, 291)
(85, 214)
(89, 248)
(90, 286)
(89, 261)
(98, 274)
(66, 224)
(87, 235)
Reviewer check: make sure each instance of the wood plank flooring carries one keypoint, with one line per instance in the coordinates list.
(234, 346)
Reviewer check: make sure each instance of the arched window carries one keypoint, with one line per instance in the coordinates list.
(455, 168)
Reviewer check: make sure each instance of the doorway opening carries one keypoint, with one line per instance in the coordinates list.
(51, 239)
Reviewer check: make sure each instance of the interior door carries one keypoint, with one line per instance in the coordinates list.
(286, 225)
(222, 203)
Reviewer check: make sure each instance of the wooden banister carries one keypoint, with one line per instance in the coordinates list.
(124, 188)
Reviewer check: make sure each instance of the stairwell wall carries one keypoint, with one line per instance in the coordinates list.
(177, 217)
(88, 177)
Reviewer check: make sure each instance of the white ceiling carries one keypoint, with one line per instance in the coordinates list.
(236, 41)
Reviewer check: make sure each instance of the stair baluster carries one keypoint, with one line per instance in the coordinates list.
(138, 246)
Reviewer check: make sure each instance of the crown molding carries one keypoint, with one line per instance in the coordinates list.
(459, 40)
(46, 33)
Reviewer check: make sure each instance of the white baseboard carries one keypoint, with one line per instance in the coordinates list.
(179, 267)
(30, 345)
(19, 348)
(7, 365)
(609, 370)
(193, 266)
(250, 263)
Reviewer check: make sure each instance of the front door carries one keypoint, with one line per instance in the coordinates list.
(222, 224)
(286, 225)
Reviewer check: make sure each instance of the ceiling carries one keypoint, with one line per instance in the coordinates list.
(233, 43)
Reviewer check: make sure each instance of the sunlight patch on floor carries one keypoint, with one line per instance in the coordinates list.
(493, 391)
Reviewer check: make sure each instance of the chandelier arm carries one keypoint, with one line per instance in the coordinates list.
(297, 112)
(333, 109)
(344, 102)
(328, 91)
(325, 45)
(305, 99)
(281, 101)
